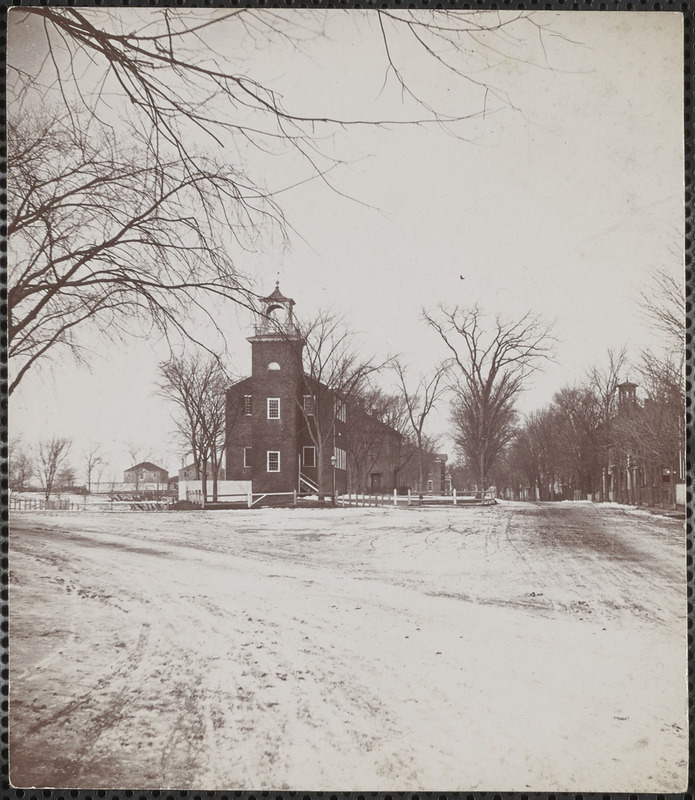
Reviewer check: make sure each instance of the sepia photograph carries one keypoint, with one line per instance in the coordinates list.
(346, 376)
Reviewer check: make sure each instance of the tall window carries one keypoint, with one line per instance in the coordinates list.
(247, 405)
(340, 458)
(273, 408)
(309, 456)
(273, 461)
(340, 411)
(308, 405)
(248, 456)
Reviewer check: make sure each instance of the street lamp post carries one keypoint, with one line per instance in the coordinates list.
(333, 466)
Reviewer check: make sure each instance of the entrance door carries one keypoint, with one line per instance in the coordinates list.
(376, 482)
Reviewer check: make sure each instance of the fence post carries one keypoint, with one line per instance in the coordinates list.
(408, 496)
(249, 498)
(395, 497)
(454, 496)
(294, 497)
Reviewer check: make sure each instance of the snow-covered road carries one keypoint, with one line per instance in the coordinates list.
(515, 647)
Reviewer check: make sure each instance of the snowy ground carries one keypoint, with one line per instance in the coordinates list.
(515, 647)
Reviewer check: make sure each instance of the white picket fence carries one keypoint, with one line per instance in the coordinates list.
(88, 503)
(395, 499)
(249, 499)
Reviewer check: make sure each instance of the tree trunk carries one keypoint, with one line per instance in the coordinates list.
(214, 478)
(319, 470)
(481, 472)
(421, 467)
(204, 479)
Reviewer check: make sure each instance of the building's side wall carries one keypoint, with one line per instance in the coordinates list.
(377, 447)
(386, 464)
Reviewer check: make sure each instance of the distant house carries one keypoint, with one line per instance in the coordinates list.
(146, 473)
(189, 473)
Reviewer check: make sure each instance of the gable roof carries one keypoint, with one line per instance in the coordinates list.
(146, 465)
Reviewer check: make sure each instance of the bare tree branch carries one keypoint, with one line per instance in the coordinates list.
(488, 371)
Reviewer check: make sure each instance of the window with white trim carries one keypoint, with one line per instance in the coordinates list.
(273, 461)
(340, 458)
(248, 457)
(247, 405)
(308, 405)
(273, 408)
(309, 456)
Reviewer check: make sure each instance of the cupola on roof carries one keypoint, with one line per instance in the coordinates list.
(276, 317)
(277, 298)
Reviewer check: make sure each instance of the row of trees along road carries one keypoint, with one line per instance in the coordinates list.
(583, 432)
(131, 145)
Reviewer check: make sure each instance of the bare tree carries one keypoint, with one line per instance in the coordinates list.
(662, 422)
(93, 461)
(420, 398)
(21, 466)
(196, 386)
(113, 236)
(50, 456)
(578, 441)
(489, 370)
(105, 236)
(335, 375)
(663, 305)
(534, 455)
(604, 380)
(655, 433)
(65, 478)
(165, 66)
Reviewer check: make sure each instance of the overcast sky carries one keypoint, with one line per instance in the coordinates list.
(562, 201)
